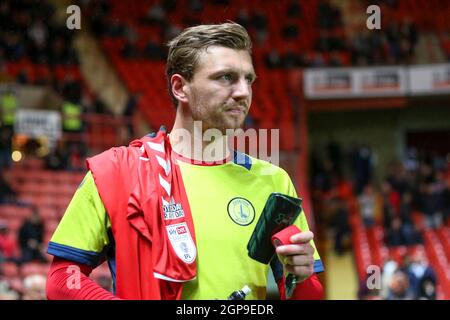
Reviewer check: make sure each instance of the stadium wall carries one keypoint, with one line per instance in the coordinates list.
(384, 131)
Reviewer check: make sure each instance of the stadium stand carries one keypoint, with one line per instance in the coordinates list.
(289, 36)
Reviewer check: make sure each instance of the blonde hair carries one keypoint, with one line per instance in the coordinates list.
(185, 49)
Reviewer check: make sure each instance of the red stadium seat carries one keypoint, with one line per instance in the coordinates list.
(34, 268)
(9, 269)
(15, 223)
(14, 211)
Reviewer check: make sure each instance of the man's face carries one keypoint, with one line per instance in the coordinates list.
(220, 92)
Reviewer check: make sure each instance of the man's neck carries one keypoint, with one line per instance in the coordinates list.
(188, 139)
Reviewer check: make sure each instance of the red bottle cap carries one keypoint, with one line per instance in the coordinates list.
(283, 237)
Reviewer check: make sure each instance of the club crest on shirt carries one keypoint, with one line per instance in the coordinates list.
(241, 211)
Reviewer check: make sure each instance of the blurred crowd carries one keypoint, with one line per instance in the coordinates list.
(29, 33)
(417, 183)
(333, 46)
(417, 186)
(17, 251)
(411, 279)
(27, 245)
(28, 30)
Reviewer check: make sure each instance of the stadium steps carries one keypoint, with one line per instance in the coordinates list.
(342, 276)
(353, 15)
(99, 73)
(435, 50)
(438, 260)
(443, 234)
(361, 247)
(429, 49)
(95, 69)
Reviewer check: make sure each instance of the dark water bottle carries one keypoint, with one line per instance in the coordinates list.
(240, 294)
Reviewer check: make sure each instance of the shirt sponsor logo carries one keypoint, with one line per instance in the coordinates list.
(181, 241)
(173, 211)
(241, 211)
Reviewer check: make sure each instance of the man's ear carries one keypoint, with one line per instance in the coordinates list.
(179, 88)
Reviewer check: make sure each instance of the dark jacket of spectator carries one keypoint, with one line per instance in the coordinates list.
(31, 235)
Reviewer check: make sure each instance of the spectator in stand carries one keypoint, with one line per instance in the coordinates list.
(3, 76)
(129, 111)
(99, 13)
(14, 46)
(323, 173)
(273, 59)
(389, 268)
(394, 235)
(57, 51)
(155, 15)
(446, 204)
(170, 31)
(406, 208)
(427, 290)
(341, 227)
(8, 243)
(77, 156)
(422, 276)
(23, 77)
(329, 15)
(72, 117)
(291, 59)
(399, 287)
(6, 292)
(58, 158)
(130, 49)
(72, 89)
(31, 235)
(410, 230)
(316, 61)
(5, 16)
(169, 5)
(34, 287)
(99, 107)
(259, 21)
(7, 193)
(398, 178)
(243, 18)
(334, 153)
(290, 31)
(153, 51)
(38, 34)
(367, 206)
(9, 103)
(441, 191)
(391, 203)
(335, 60)
(362, 162)
(326, 42)
(195, 6)
(401, 233)
(411, 161)
(432, 204)
(294, 9)
(416, 235)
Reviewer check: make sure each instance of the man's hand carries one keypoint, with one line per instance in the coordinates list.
(298, 257)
